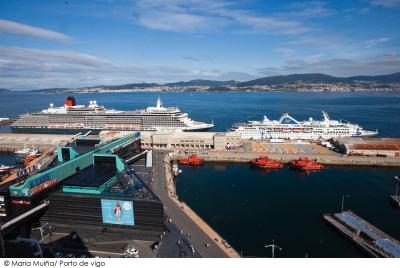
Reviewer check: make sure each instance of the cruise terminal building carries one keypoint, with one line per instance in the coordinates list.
(90, 189)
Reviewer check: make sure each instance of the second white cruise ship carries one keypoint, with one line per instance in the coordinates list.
(72, 118)
(289, 128)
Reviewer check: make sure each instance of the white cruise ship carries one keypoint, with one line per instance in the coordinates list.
(289, 128)
(72, 118)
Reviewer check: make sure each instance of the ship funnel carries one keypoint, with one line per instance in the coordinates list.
(70, 101)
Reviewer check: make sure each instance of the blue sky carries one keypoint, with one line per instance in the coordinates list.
(71, 43)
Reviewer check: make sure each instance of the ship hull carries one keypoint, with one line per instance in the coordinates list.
(63, 131)
(198, 129)
(54, 131)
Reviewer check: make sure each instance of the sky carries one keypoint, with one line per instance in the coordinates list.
(74, 43)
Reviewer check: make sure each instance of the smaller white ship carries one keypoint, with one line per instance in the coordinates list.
(5, 169)
(26, 151)
(175, 170)
(289, 128)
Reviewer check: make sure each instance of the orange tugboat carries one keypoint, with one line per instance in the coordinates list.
(265, 162)
(29, 159)
(32, 156)
(305, 164)
(192, 160)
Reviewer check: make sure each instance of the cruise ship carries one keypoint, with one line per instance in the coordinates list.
(72, 118)
(289, 128)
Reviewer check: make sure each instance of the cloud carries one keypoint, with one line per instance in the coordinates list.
(11, 27)
(382, 64)
(210, 16)
(309, 9)
(386, 3)
(287, 52)
(374, 42)
(26, 68)
(191, 58)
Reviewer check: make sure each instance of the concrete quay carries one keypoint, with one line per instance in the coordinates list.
(199, 232)
(326, 159)
(10, 142)
(396, 200)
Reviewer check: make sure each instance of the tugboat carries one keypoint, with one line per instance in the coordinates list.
(265, 162)
(305, 164)
(29, 159)
(192, 160)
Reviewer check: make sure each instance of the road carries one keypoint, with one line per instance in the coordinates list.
(197, 237)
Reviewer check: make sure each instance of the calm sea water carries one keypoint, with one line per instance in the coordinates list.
(250, 208)
(371, 110)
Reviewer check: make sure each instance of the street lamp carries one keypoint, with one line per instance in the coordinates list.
(273, 246)
(343, 196)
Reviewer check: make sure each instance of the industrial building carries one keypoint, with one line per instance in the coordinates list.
(386, 147)
(191, 140)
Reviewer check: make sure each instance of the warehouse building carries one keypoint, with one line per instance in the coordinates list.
(386, 147)
(190, 140)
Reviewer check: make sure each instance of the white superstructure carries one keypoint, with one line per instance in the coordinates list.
(289, 128)
(78, 118)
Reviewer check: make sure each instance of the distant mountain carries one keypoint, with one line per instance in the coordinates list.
(212, 85)
(125, 86)
(56, 89)
(389, 78)
(3, 90)
(129, 86)
(319, 78)
(201, 82)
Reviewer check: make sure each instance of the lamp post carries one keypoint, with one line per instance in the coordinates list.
(343, 196)
(273, 246)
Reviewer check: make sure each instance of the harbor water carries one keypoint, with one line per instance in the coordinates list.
(249, 207)
(371, 110)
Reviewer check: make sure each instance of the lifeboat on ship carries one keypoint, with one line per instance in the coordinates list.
(192, 160)
(265, 162)
(305, 164)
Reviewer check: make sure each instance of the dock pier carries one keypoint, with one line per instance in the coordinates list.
(332, 159)
(375, 242)
(396, 200)
(10, 142)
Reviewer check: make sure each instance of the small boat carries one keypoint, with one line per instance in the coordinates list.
(27, 151)
(5, 169)
(265, 162)
(305, 164)
(192, 160)
(175, 170)
(24, 151)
